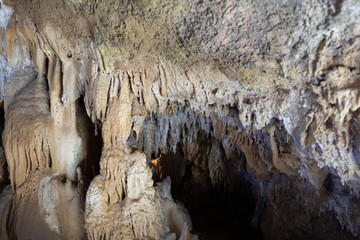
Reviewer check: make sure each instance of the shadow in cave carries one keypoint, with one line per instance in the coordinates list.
(93, 142)
(4, 174)
(2, 121)
(216, 212)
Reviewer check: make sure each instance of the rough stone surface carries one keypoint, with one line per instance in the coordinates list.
(258, 100)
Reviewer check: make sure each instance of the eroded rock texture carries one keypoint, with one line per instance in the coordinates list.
(247, 113)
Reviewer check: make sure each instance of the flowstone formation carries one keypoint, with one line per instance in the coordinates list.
(156, 119)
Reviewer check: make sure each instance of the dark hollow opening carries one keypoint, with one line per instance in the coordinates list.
(217, 212)
(93, 143)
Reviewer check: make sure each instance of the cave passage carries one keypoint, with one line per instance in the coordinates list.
(179, 120)
(220, 206)
(216, 213)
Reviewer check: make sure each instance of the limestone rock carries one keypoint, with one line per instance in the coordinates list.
(253, 103)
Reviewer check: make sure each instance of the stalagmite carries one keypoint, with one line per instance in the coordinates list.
(179, 119)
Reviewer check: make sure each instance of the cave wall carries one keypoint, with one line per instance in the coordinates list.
(262, 96)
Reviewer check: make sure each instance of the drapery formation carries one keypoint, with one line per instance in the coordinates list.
(261, 96)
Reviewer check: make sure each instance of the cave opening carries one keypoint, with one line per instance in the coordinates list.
(219, 209)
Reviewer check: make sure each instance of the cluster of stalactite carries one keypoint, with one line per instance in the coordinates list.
(85, 119)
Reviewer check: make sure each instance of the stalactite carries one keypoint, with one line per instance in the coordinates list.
(225, 96)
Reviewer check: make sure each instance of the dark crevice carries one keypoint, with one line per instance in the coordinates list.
(47, 79)
(2, 121)
(93, 144)
(337, 5)
(4, 181)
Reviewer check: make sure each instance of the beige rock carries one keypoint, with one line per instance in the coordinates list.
(265, 92)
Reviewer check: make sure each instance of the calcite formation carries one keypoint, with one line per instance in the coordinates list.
(149, 119)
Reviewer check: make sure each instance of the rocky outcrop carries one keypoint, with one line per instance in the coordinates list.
(258, 100)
